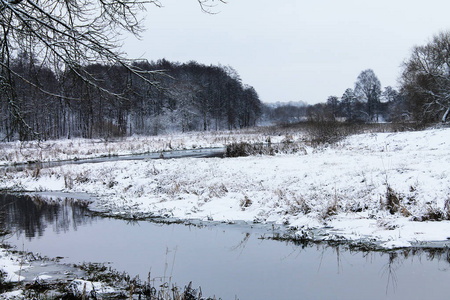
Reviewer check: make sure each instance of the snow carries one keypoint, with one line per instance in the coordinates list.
(11, 265)
(340, 189)
(81, 287)
(43, 277)
(23, 152)
(396, 244)
(18, 294)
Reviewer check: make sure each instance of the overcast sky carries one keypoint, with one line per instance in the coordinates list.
(293, 50)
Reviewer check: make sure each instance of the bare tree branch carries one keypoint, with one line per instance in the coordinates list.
(426, 76)
(68, 35)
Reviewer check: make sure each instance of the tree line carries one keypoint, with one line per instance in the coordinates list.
(423, 95)
(60, 78)
(51, 53)
(115, 101)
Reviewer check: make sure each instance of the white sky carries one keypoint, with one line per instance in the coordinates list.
(293, 50)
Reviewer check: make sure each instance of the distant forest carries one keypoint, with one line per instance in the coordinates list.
(62, 77)
(422, 99)
(179, 97)
(114, 100)
(423, 96)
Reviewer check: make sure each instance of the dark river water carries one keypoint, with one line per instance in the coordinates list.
(174, 154)
(228, 261)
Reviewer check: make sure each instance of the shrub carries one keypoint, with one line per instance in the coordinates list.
(330, 210)
(238, 149)
(433, 214)
(325, 133)
(246, 202)
(392, 201)
(2, 279)
(4, 285)
(447, 208)
(245, 149)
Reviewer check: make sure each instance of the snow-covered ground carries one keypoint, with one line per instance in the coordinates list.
(23, 152)
(12, 265)
(25, 275)
(384, 187)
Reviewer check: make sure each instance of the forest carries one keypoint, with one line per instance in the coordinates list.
(422, 97)
(178, 97)
(62, 76)
(169, 97)
(112, 100)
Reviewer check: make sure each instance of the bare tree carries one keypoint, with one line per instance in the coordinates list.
(332, 106)
(426, 79)
(368, 90)
(348, 103)
(67, 35)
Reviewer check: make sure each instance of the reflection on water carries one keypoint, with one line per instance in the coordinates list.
(231, 260)
(31, 215)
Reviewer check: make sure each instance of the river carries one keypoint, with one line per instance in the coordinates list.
(228, 261)
(173, 154)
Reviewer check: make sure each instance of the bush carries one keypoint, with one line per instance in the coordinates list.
(325, 133)
(392, 201)
(246, 202)
(238, 149)
(434, 214)
(246, 149)
(5, 286)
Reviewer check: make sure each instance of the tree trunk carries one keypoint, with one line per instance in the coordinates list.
(444, 117)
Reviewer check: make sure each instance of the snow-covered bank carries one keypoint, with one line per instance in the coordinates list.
(25, 276)
(23, 273)
(23, 152)
(11, 265)
(375, 186)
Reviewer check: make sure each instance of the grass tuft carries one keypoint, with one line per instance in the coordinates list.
(392, 202)
(246, 202)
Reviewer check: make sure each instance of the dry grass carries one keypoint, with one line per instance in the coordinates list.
(260, 140)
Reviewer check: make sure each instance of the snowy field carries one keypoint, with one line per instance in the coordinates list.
(392, 189)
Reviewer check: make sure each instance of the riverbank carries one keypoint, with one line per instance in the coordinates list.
(27, 276)
(224, 264)
(390, 189)
(13, 153)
